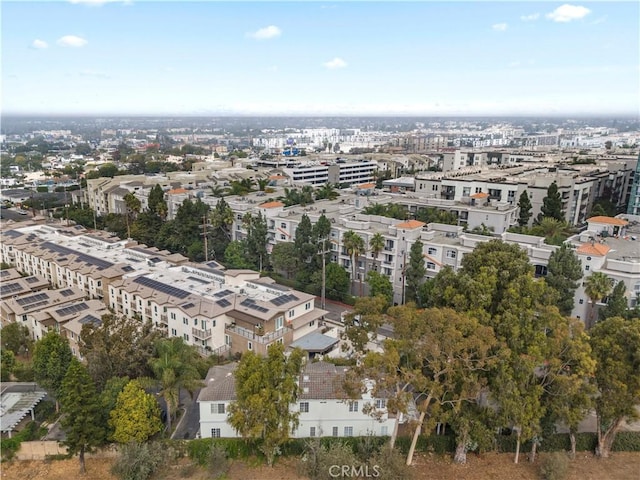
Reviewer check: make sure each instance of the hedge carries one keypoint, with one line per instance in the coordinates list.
(198, 450)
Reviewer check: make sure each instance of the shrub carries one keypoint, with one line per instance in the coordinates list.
(554, 466)
(390, 465)
(627, 442)
(318, 459)
(138, 461)
(217, 462)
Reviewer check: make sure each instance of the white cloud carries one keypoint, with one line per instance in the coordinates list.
(567, 13)
(266, 33)
(530, 18)
(499, 27)
(335, 63)
(72, 41)
(39, 44)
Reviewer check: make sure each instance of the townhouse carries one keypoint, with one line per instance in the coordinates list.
(324, 408)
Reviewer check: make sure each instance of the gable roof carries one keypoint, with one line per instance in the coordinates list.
(597, 249)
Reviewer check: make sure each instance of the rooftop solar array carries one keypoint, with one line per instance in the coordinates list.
(162, 287)
(199, 280)
(32, 299)
(249, 303)
(128, 268)
(71, 309)
(223, 293)
(282, 299)
(98, 262)
(66, 293)
(131, 259)
(90, 319)
(224, 302)
(188, 305)
(31, 279)
(12, 233)
(4, 273)
(9, 288)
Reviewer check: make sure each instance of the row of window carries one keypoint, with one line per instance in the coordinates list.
(313, 431)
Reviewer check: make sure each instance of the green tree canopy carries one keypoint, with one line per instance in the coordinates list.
(136, 415)
(617, 305)
(552, 204)
(524, 204)
(81, 407)
(564, 271)
(16, 338)
(265, 389)
(51, 358)
(415, 271)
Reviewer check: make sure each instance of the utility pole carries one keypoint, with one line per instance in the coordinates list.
(204, 233)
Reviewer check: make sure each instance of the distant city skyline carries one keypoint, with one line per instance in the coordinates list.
(96, 57)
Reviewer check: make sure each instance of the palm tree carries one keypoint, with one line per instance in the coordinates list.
(174, 369)
(597, 286)
(132, 205)
(376, 244)
(262, 184)
(354, 244)
(327, 192)
(218, 191)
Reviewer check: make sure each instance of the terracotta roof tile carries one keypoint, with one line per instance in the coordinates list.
(410, 224)
(480, 195)
(608, 220)
(597, 249)
(271, 205)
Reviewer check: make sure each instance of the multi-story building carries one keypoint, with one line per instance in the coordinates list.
(324, 408)
(633, 207)
(335, 172)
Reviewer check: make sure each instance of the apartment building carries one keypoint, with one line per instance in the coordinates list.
(13, 284)
(351, 172)
(633, 207)
(213, 309)
(325, 410)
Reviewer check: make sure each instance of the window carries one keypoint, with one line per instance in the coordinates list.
(581, 301)
(431, 266)
(307, 306)
(282, 237)
(432, 251)
(215, 433)
(312, 431)
(334, 431)
(279, 322)
(186, 337)
(304, 407)
(185, 321)
(217, 408)
(291, 313)
(353, 406)
(381, 403)
(384, 430)
(173, 316)
(283, 225)
(451, 254)
(174, 332)
(312, 323)
(434, 188)
(249, 346)
(348, 431)
(586, 267)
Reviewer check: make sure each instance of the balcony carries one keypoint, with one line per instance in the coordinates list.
(163, 319)
(263, 339)
(201, 334)
(147, 312)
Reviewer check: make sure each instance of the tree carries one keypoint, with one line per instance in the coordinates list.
(234, 255)
(361, 325)
(265, 389)
(136, 415)
(615, 343)
(81, 407)
(617, 305)
(174, 368)
(597, 286)
(524, 204)
(7, 364)
(284, 258)
(132, 206)
(156, 202)
(304, 244)
(555, 232)
(564, 271)
(16, 338)
(327, 192)
(221, 222)
(355, 246)
(108, 399)
(376, 245)
(256, 241)
(117, 347)
(552, 204)
(51, 359)
(337, 282)
(380, 284)
(414, 273)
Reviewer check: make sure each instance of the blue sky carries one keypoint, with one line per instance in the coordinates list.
(417, 58)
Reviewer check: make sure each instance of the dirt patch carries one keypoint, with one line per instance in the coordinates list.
(493, 466)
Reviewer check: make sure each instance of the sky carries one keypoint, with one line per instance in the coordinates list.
(423, 58)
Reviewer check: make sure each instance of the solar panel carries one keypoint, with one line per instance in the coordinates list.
(162, 287)
(279, 300)
(223, 293)
(247, 301)
(37, 305)
(88, 259)
(31, 279)
(71, 309)
(32, 299)
(224, 302)
(13, 233)
(131, 259)
(250, 303)
(66, 293)
(188, 305)
(9, 288)
(90, 319)
(199, 280)
(4, 273)
(128, 268)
